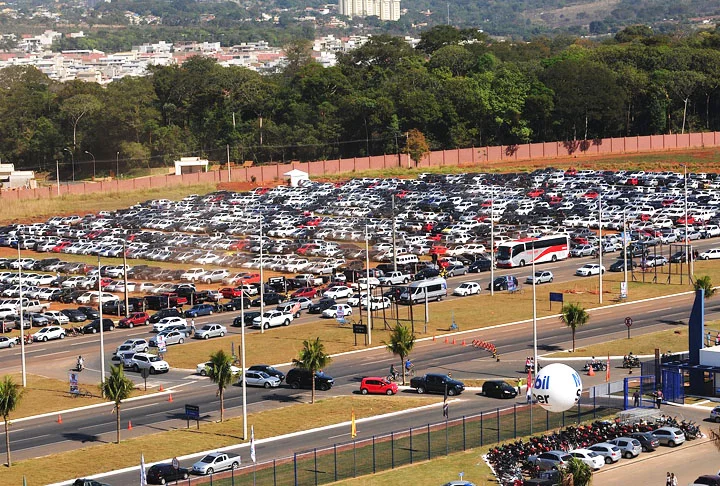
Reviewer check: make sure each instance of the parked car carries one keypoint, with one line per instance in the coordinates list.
(377, 385)
(707, 480)
(321, 305)
(498, 389)
(134, 319)
(336, 310)
(269, 370)
(8, 342)
(611, 453)
(669, 436)
(163, 313)
(216, 461)
(628, 446)
(260, 378)
(591, 458)
(94, 326)
(74, 315)
(210, 330)
(709, 254)
(202, 369)
(164, 473)
(200, 310)
(648, 442)
(169, 336)
(550, 459)
(480, 265)
(715, 414)
(501, 283)
(301, 378)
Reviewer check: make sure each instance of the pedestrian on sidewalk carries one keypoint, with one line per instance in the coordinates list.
(519, 385)
(659, 398)
(668, 479)
(673, 480)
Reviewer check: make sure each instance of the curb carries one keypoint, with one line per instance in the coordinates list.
(263, 441)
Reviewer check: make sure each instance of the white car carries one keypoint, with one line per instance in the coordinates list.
(166, 322)
(467, 288)
(610, 453)
(590, 269)
(338, 309)
(210, 330)
(378, 303)
(202, 369)
(149, 361)
(357, 299)
(57, 317)
(338, 292)
(710, 254)
(48, 333)
(193, 274)
(544, 276)
(591, 458)
(260, 378)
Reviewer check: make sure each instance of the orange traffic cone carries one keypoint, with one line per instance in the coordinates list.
(446, 340)
(463, 342)
(433, 337)
(161, 388)
(170, 398)
(453, 341)
(129, 424)
(591, 372)
(59, 419)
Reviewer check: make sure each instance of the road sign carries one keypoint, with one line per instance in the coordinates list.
(175, 463)
(192, 412)
(628, 321)
(360, 328)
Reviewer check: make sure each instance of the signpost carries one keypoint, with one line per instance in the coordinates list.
(628, 324)
(192, 412)
(145, 372)
(556, 297)
(175, 463)
(360, 329)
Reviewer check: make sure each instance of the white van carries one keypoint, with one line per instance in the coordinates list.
(406, 259)
(430, 289)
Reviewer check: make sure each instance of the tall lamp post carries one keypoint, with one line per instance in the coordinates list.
(22, 320)
(600, 243)
(72, 160)
(93, 157)
(117, 165)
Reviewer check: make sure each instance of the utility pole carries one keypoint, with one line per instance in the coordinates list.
(22, 321)
(367, 285)
(242, 355)
(393, 235)
(102, 340)
(600, 242)
(492, 241)
(57, 176)
(127, 301)
(262, 281)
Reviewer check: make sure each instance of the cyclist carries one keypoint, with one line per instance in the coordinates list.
(393, 372)
(408, 365)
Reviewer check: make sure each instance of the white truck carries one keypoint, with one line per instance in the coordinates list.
(395, 278)
(273, 318)
(216, 461)
(309, 279)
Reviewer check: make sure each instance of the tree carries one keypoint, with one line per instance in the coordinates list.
(402, 341)
(416, 146)
(580, 473)
(117, 387)
(704, 283)
(10, 395)
(77, 107)
(574, 316)
(220, 372)
(313, 358)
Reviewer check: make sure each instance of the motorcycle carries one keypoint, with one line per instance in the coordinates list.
(597, 366)
(631, 362)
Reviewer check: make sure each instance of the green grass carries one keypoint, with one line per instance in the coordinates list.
(673, 339)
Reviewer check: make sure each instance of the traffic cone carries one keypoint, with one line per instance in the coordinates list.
(446, 340)
(453, 341)
(161, 388)
(463, 342)
(59, 419)
(129, 424)
(591, 372)
(433, 337)
(170, 398)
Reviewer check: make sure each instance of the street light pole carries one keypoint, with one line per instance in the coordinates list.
(125, 285)
(117, 165)
(102, 339)
(625, 249)
(492, 241)
(262, 281)
(367, 285)
(22, 321)
(72, 159)
(93, 157)
(600, 242)
(242, 359)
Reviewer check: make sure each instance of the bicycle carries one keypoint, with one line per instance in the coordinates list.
(347, 322)
(81, 392)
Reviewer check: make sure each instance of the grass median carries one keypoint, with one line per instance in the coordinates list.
(675, 340)
(293, 418)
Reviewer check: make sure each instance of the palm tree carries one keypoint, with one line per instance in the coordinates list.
(117, 387)
(10, 395)
(574, 316)
(312, 358)
(220, 372)
(704, 283)
(580, 473)
(402, 341)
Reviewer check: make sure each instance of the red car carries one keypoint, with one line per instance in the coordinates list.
(134, 319)
(438, 250)
(249, 278)
(229, 292)
(306, 248)
(59, 247)
(681, 220)
(308, 292)
(536, 193)
(376, 384)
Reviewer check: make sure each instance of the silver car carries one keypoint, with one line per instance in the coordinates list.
(210, 330)
(669, 436)
(628, 446)
(550, 459)
(260, 378)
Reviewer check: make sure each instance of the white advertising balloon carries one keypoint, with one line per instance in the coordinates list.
(557, 387)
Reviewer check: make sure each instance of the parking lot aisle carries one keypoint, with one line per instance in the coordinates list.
(687, 461)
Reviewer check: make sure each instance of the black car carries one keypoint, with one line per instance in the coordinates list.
(269, 370)
(678, 257)
(648, 441)
(501, 283)
(498, 389)
(321, 305)
(271, 298)
(90, 312)
(393, 294)
(164, 473)
(74, 315)
(94, 326)
(619, 265)
(236, 303)
(427, 272)
(162, 313)
(437, 383)
(479, 265)
(249, 316)
(88, 482)
(301, 378)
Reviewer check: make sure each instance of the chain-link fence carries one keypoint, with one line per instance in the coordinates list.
(388, 451)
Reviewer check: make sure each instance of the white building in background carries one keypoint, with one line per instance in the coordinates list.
(385, 9)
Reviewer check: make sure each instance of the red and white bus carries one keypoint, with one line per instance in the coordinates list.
(519, 253)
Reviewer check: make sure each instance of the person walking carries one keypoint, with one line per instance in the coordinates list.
(659, 398)
(519, 385)
(673, 480)
(192, 327)
(668, 479)
(636, 399)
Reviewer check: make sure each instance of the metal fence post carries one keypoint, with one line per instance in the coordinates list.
(547, 420)
(578, 413)
(497, 415)
(373, 446)
(481, 429)
(514, 421)
(594, 404)
(464, 438)
(232, 477)
(211, 479)
(315, 466)
(563, 419)
(411, 449)
(392, 450)
(295, 467)
(274, 474)
(335, 460)
(428, 440)
(354, 460)
(447, 442)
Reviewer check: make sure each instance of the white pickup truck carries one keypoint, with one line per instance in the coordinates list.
(273, 318)
(395, 278)
(309, 279)
(362, 283)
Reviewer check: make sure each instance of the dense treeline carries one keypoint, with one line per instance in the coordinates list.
(458, 88)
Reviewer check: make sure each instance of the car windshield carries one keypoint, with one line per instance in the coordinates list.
(208, 459)
(154, 359)
(206, 328)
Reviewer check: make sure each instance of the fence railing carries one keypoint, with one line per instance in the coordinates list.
(408, 446)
